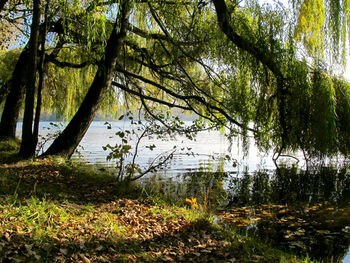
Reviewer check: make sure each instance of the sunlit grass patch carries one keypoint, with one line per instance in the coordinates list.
(72, 227)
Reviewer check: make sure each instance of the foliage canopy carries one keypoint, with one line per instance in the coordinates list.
(265, 69)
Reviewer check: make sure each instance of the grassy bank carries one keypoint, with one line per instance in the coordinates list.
(51, 211)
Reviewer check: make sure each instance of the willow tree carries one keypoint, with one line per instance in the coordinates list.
(70, 138)
(11, 23)
(238, 66)
(249, 67)
(27, 146)
(302, 92)
(14, 99)
(53, 49)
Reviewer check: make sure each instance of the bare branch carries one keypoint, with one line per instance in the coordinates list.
(153, 167)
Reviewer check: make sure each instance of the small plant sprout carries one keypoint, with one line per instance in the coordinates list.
(125, 155)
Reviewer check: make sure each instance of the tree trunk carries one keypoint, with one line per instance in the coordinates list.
(28, 141)
(2, 5)
(15, 97)
(4, 89)
(41, 71)
(65, 144)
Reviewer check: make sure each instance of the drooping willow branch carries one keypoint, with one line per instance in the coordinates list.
(153, 67)
(262, 55)
(157, 36)
(143, 96)
(63, 64)
(186, 98)
(180, 45)
(165, 31)
(154, 116)
(163, 102)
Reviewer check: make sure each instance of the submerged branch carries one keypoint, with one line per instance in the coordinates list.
(154, 167)
(279, 154)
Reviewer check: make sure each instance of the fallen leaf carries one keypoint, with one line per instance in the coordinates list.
(7, 236)
(64, 251)
(85, 259)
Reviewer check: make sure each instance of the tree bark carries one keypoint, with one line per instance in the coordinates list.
(41, 71)
(4, 90)
(65, 144)
(28, 141)
(15, 97)
(2, 5)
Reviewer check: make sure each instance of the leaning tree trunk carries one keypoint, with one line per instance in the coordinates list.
(28, 141)
(65, 144)
(14, 99)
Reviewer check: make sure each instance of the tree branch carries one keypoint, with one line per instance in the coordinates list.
(143, 96)
(262, 55)
(156, 36)
(153, 167)
(185, 98)
(62, 64)
(165, 31)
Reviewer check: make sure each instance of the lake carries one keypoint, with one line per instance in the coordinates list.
(306, 211)
(207, 148)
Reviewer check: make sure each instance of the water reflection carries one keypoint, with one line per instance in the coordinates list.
(307, 212)
(291, 186)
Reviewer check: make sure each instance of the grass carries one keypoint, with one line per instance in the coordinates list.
(8, 151)
(54, 212)
(9, 145)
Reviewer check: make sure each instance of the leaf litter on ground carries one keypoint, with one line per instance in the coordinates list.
(48, 212)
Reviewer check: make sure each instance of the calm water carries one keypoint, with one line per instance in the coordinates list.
(206, 146)
(307, 212)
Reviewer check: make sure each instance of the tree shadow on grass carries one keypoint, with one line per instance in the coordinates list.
(56, 213)
(58, 182)
(191, 243)
(8, 157)
(53, 213)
